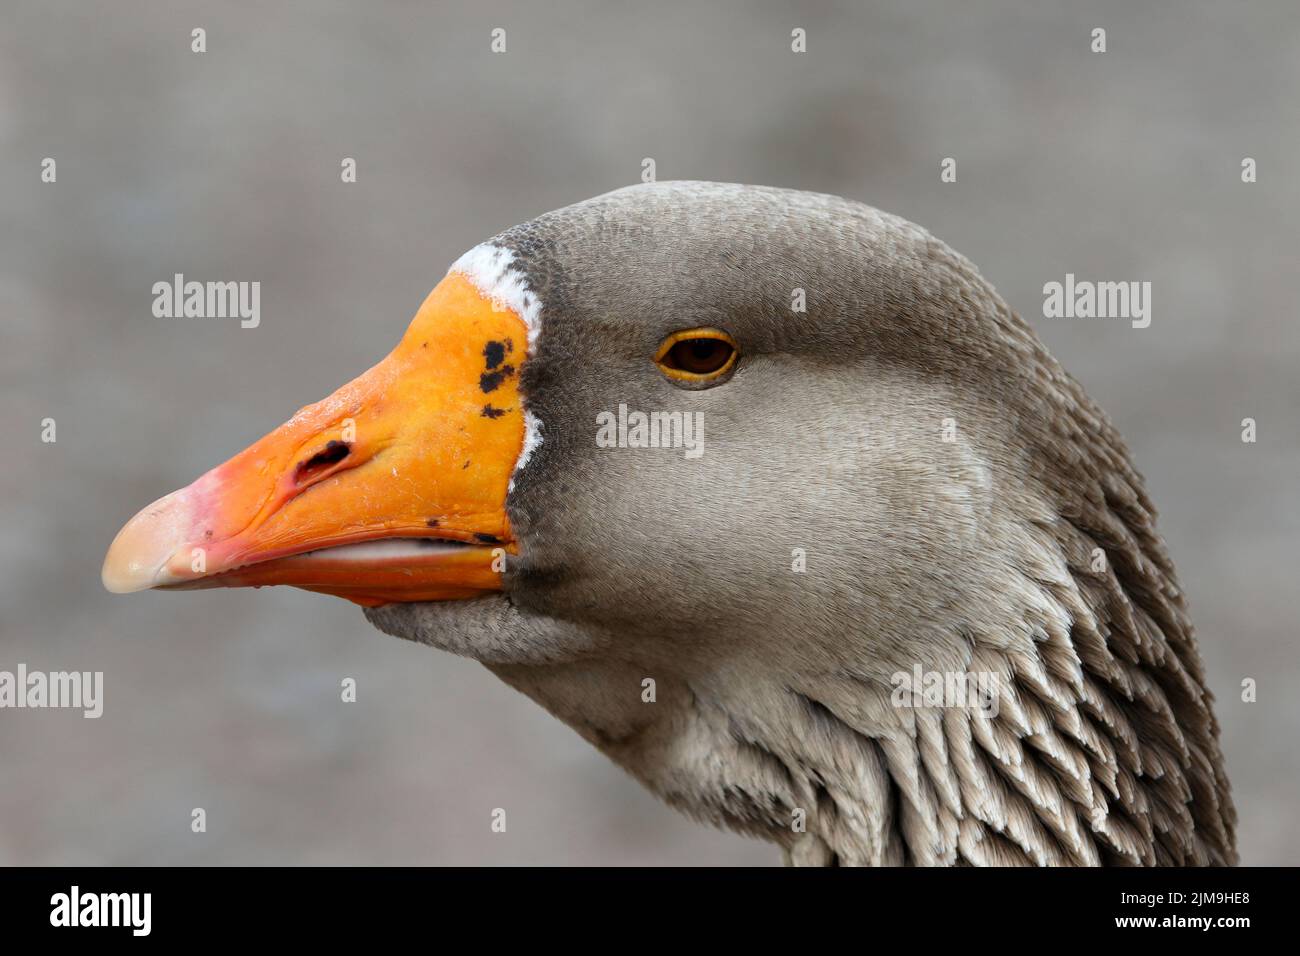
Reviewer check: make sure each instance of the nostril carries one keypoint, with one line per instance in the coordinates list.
(322, 461)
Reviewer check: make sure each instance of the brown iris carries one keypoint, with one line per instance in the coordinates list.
(696, 355)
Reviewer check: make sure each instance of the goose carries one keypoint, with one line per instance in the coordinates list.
(896, 489)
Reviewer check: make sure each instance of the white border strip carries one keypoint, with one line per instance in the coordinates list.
(492, 270)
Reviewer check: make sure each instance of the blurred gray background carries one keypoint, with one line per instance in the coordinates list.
(225, 165)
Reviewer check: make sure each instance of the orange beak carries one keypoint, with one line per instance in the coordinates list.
(392, 489)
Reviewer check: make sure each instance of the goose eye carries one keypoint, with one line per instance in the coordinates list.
(696, 355)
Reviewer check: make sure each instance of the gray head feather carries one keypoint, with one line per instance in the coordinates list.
(775, 709)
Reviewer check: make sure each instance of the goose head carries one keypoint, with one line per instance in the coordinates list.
(746, 485)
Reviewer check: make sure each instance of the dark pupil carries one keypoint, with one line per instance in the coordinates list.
(702, 355)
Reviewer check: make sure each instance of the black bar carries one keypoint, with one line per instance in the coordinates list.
(622, 906)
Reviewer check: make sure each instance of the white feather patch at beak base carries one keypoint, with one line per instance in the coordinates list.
(494, 271)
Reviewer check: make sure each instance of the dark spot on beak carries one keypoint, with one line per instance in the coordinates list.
(489, 381)
(487, 538)
(495, 353)
(490, 412)
(432, 522)
(464, 466)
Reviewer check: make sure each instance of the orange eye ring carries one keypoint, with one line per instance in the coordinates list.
(697, 355)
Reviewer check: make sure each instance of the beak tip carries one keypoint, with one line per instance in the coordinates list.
(139, 556)
(129, 566)
(122, 578)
